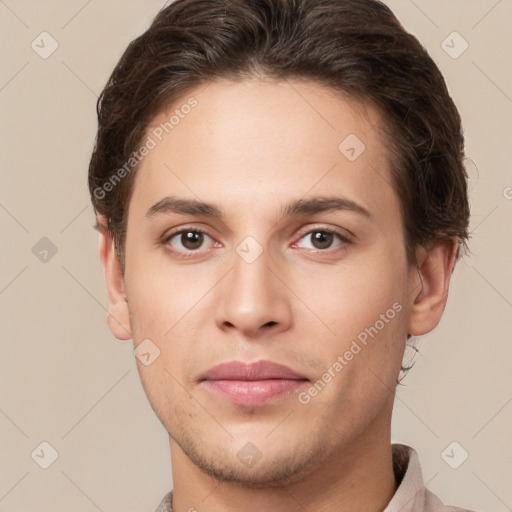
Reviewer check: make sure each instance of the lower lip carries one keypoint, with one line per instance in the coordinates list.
(253, 392)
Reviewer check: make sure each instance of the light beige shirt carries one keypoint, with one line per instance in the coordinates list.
(411, 495)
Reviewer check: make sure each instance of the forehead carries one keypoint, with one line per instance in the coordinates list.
(279, 140)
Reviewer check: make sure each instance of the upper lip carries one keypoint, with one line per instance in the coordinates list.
(259, 370)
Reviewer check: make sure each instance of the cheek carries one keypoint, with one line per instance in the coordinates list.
(162, 296)
(172, 306)
(353, 295)
(364, 306)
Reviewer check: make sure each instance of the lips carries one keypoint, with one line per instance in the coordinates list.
(260, 370)
(252, 384)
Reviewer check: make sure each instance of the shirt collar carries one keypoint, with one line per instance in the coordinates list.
(410, 495)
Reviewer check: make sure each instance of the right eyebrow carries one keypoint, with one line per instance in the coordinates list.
(171, 204)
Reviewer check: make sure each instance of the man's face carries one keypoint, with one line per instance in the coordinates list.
(304, 290)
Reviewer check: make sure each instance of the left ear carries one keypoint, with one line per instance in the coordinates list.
(429, 283)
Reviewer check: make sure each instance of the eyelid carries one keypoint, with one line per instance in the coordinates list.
(344, 234)
(180, 229)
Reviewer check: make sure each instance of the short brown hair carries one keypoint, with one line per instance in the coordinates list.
(357, 47)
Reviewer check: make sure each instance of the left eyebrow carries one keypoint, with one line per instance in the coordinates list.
(172, 204)
(323, 204)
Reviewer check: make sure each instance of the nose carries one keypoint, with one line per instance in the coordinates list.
(254, 299)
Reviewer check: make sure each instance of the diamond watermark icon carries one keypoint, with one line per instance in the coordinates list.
(454, 45)
(249, 249)
(146, 352)
(351, 147)
(44, 45)
(454, 455)
(249, 454)
(44, 250)
(44, 455)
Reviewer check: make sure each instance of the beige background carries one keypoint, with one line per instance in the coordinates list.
(65, 380)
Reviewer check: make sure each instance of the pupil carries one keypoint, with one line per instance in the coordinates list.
(191, 239)
(322, 240)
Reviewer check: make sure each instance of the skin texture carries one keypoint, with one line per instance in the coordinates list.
(251, 148)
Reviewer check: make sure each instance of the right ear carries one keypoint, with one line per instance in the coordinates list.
(118, 318)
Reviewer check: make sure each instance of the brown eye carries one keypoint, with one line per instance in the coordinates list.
(191, 239)
(187, 240)
(321, 239)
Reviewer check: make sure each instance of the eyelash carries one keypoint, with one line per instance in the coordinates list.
(191, 253)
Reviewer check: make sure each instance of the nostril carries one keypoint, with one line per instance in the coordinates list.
(269, 324)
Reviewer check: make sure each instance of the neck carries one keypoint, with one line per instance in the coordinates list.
(358, 476)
